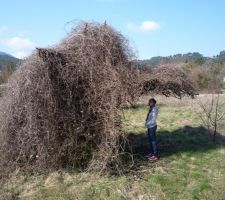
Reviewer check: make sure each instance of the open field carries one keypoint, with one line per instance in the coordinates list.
(191, 166)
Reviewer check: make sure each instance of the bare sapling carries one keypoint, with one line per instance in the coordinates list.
(212, 113)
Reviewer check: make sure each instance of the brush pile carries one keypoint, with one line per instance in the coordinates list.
(168, 81)
(62, 104)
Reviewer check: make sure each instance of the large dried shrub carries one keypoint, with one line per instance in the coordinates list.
(169, 81)
(62, 104)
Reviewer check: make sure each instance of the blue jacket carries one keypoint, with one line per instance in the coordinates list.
(151, 119)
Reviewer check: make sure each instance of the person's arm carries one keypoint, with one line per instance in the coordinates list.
(147, 116)
(153, 117)
(147, 119)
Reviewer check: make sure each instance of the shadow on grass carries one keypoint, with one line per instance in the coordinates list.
(186, 139)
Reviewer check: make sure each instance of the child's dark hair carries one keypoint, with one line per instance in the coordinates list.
(152, 100)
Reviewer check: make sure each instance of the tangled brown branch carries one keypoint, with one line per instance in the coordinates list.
(169, 81)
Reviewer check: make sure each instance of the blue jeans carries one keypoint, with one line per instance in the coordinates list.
(152, 140)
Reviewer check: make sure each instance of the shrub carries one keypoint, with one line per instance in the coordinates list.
(62, 103)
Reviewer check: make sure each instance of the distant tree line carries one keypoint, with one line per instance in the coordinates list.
(8, 64)
(6, 71)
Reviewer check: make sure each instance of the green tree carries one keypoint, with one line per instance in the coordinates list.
(7, 71)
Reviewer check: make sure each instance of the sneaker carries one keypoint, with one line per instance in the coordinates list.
(153, 158)
(149, 155)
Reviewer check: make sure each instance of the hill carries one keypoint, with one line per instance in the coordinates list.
(194, 57)
(6, 59)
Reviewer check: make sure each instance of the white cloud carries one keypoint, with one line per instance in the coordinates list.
(149, 26)
(19, 46)
(20, 54)
(3, 29)
(18, 43)
(145, 26)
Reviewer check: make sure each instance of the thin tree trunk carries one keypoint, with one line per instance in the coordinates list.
(214, 133)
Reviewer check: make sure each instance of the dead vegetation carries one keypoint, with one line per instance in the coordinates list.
(62, 106)
(212, 113)
(169, 81)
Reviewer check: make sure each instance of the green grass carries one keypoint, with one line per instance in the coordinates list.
(190, 165)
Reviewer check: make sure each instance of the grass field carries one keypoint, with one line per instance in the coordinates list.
(191, 166)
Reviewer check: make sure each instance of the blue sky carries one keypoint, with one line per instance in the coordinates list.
(154, 27)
